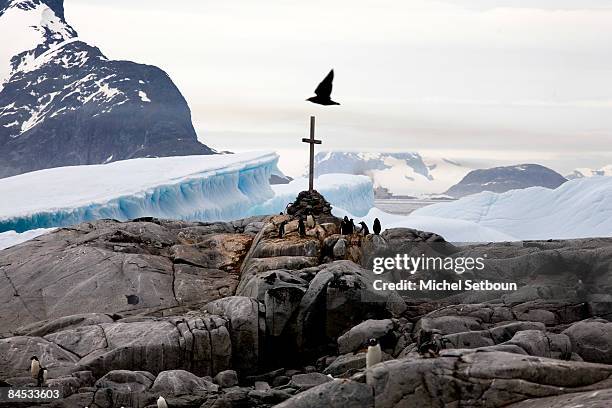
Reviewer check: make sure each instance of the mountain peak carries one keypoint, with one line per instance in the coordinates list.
(62, 102)
(35, 26)
(506, 178)
(56, 5)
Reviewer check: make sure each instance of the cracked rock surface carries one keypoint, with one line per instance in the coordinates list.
(227, 314)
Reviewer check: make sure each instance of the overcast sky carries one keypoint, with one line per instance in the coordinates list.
(491, 81)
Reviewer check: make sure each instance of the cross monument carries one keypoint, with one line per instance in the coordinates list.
(312, 141)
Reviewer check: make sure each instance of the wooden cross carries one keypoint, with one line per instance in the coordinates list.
(312, 141)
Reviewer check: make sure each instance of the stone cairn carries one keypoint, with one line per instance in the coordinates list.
(310, 202)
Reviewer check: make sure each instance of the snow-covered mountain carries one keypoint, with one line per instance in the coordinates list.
(62, 102)
(401, 174)
(586, 172)
(502, 179)
(577, 209)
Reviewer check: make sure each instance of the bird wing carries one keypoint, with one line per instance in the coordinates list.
(325, 87)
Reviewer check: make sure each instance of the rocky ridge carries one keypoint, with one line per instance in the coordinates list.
(229, 314)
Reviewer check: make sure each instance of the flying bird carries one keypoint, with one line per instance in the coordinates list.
(323, 91)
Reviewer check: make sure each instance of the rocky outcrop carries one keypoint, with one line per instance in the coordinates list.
(145, 266)
(588, 399)
(483, 379)
(285, 321)
(592, 340)
(340, 394)
(246, 327)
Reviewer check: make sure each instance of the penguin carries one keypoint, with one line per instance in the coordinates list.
(364, 228)
(310, 221)
(161, 402)
(34, 367)
(374, 353)
(352, 226)
(42, 377)
(301, 227)
(430, 342)
(281, 229)
(344, 226)
(377, 227)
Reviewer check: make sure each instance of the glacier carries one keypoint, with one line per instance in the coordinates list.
(580, 208)
(193, 188)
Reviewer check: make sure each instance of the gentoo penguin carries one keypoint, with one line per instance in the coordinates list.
(352, 226)
(310, 221)
(34, 367)
(377, 227)
(281, 229)
(364, 228)
(374, 354)
(42, 377)
(301, 227)
(161, 402)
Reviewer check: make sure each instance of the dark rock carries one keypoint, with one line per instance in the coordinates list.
(468, 378)
(226, 379)
(588, 399)
(247, 330)
(592, 340)
(346, 364)
(305, 381)
(179, 382)
(337, 394)
(358, 336)
(280, 381)
(310, 203)
(128, 388)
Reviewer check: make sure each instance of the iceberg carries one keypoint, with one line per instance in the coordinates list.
(216, 187)
(351, 193)
(455, 231)
(193, 188)
(12, 238)
(580, 208)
